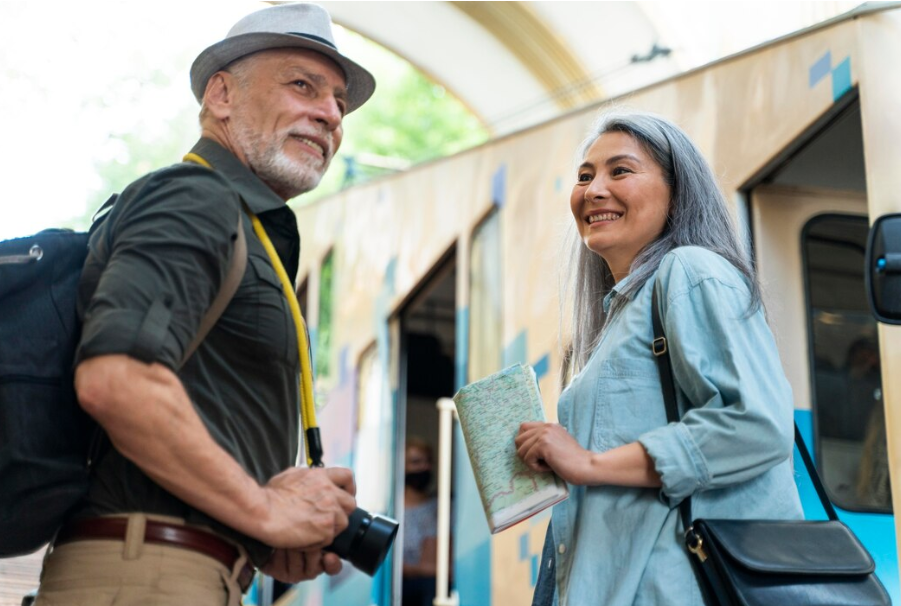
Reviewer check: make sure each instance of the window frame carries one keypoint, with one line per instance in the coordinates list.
(809, 224)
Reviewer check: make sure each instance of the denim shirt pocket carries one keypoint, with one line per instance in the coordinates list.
(629, 402)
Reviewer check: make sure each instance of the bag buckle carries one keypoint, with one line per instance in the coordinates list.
(695, 544)
(658, 346)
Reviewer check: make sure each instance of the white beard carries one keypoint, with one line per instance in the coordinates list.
(286, 176)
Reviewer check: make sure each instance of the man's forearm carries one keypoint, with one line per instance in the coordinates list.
(150, 419)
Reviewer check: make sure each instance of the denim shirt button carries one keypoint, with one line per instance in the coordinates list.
(562, 548)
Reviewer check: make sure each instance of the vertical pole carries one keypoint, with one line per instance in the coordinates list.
(446, 410)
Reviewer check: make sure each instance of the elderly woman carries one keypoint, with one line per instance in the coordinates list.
(649, 215)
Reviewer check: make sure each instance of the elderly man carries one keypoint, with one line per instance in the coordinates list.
(196, 485)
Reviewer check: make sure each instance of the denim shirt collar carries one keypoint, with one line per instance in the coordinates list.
(616, 291)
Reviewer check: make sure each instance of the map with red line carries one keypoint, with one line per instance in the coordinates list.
(491, 411)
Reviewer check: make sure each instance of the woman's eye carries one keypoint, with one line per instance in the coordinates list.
(583, 178)
(620, 170)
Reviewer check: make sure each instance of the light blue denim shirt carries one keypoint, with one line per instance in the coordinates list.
(618, 546)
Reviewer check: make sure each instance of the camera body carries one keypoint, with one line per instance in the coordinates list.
(366, 540)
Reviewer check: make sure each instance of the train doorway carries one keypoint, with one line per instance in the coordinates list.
(428, 339)
(810, 223)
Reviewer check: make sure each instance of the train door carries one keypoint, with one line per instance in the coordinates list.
(428, 334)
(809, 223)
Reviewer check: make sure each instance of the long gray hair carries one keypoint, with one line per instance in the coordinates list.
(698, 216)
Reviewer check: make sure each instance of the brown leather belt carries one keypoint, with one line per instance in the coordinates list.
(160, 533)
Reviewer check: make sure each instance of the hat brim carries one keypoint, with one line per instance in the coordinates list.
(360, 83)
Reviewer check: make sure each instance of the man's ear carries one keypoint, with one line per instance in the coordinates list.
(218, 97)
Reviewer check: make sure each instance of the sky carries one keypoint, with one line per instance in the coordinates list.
(78, 76)
(71, 75)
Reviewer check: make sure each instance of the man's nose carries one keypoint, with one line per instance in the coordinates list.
(328, 112)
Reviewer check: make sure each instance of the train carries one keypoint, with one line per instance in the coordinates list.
(417, 283)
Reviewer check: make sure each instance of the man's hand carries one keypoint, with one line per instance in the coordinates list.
(307, 508)
(150, 419)
(294, 565)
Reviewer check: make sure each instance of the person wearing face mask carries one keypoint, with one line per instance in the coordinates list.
(420, 525)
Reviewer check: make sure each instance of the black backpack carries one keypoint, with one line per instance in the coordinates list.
(44, 434)
(45, 437)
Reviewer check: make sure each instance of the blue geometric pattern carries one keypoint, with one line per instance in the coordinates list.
(841, 78)
(515, 351)
(499, 186)
(542, 366)
(820, 69)
(841, 74)
(462, 348)
(525, 554)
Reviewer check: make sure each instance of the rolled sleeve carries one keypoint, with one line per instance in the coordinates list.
(678, 460)
(735, 401)
(156, 264)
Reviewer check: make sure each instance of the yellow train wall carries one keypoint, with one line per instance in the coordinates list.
(741, 112)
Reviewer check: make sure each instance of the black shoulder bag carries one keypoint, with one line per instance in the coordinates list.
(772, 562)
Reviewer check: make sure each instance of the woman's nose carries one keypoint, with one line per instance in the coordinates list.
(597, 189)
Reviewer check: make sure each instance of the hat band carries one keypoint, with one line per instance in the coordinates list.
(328, 43)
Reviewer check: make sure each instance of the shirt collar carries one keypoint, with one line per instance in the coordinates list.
(616, 291)
(256, 194)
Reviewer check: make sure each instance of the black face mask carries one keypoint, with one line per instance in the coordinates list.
(418, 480)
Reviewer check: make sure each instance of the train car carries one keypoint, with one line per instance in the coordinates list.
(418, 283)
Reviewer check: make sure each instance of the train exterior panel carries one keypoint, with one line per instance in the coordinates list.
(803, 134)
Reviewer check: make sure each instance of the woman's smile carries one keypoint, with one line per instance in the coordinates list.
(620, 200)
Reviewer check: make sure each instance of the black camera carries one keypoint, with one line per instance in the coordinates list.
(366, 540)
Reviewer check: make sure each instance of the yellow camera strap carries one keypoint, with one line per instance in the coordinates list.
(312, 439)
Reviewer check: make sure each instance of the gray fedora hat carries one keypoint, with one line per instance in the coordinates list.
(283, 26)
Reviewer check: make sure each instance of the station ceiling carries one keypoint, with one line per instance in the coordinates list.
(517, 63)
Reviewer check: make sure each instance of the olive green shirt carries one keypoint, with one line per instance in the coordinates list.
(154, 266)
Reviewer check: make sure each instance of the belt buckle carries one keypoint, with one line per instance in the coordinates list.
(245, 577)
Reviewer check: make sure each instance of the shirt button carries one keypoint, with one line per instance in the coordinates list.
(562, 548)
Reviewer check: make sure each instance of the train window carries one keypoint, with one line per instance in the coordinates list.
(845, 365)
(324, 322)
(485, 299)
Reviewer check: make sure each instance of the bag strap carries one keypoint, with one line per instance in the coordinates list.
(313, 440)
(236, 267)
(664, 367)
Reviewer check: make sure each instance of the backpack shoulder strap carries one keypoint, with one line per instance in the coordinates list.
(236, 268)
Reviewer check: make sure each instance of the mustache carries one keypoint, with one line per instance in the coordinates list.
(322, 138)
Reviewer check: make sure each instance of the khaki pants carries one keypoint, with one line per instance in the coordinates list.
(134, 573)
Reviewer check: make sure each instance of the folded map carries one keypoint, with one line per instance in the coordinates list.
(490, 412)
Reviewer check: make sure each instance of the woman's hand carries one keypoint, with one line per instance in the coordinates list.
(549, 447)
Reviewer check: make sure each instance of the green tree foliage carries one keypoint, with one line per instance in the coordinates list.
(408, 120)
(324, 329)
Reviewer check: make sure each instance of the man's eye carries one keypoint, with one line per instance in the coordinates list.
(301, 84)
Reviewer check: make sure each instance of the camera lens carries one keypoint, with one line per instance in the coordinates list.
(366, 540)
